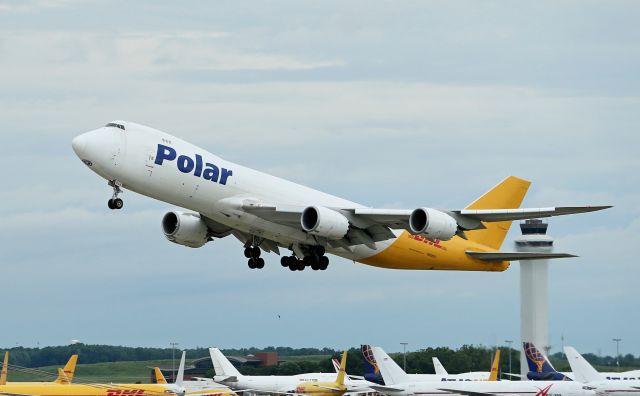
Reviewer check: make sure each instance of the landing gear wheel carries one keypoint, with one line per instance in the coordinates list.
(284, 261)
(117, 203)
(293, 266)
(247, 252)
(110, 204)
(324, 263)
(301, 265)
(251, 263)
(255, 252)
(320, 250)
(259, 263)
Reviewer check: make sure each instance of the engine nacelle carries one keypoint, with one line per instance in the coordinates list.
(324, 222)
(185, 228)
(433, 224)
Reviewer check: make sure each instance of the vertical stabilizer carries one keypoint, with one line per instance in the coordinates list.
(371, 370)
(5, 367)
(160, 379)
(221, 365)
(391, 372)
(180, 375)
(343, 369)
(438, 367)
(508, 194)
(65, 375)
(495, 366)
(582, 370)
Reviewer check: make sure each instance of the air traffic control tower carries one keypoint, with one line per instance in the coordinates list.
(534, 295)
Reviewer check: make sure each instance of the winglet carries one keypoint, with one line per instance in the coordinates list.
(65, 375)
(180, 375)
(5, 366)
(493, 376)
(438, 367)
(582, 370)
(343, 368)
(160, 379)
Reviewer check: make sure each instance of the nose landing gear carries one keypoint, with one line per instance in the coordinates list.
(115, 202)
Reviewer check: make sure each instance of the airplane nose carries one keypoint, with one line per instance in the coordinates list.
(79, 143)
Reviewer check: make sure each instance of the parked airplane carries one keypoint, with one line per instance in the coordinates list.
(94, 389)
(199, 387)
(398, 383)
(329, 388)
(228, 375)
(372, 370)
(540, 369)
(584, 372)
(268, 213)
(65, 375)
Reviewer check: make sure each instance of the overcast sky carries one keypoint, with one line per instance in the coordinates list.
(390, 104)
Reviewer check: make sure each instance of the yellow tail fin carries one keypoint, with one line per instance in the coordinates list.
(159, 377)
(65, 375)
(5, 366)
(493, 376)
(343, 368)
(508, 194)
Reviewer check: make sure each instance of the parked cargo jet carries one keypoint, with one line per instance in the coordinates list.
(227, 374)
(398, 383)
(95, 389)
(372, 370)
(267, 213)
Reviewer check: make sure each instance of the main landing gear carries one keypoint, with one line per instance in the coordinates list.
(315, 259)
(115, 202)
(253, 254)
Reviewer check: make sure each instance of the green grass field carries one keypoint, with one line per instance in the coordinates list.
(120, 372)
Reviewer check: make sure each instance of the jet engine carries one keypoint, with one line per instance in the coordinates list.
(432, 224)
(324, 222)
(185, 228)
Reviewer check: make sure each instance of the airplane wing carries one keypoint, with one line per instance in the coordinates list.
(505, 256)
(370, 225)
(329, 388)
(472, 393)
(491, 215)
(384, 389)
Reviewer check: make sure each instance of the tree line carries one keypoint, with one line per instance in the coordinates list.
(301, 360)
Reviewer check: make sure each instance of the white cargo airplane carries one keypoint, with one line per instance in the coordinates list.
(268, 213)
(227, 374)
(620, 385)
(372, 369)
(398, 383)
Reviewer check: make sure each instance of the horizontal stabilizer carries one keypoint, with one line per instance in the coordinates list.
(516, 256)
(526, 213)
(385, 389)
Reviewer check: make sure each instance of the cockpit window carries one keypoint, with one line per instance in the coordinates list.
(113, 124)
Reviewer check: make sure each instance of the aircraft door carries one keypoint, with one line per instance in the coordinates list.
(119, 146)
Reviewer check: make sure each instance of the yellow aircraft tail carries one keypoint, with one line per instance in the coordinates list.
(159, 377)
(495, 366)
(65, 375)
(5, 366)
(508, 194)
(343, 369)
